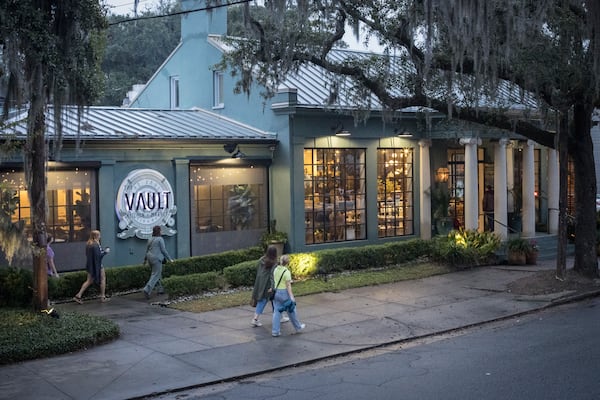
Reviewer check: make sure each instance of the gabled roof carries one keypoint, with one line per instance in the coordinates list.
(112, 123)
(313, 84)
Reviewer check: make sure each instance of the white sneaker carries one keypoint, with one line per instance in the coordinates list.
(256, 322)
(302, 326)
(285, 318)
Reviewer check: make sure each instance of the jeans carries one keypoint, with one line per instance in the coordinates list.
(281, 295)
(260, 306)
(155, 276)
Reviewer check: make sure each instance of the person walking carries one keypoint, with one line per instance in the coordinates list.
(50, 258)
(263, 283)
(94, 253)
(488, 207)
(284, 297)
(156, 252)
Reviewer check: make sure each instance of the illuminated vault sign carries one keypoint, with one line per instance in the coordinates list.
(145, 199)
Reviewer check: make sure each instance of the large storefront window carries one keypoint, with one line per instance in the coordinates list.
(229, 207)
(334, 195)
(395, 192)
(71, 213)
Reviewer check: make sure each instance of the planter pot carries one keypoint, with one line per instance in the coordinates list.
(279, 244)
(516, 258)
(531, 258)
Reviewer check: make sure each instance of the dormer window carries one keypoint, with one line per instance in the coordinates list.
(218, 101)
(174, 92)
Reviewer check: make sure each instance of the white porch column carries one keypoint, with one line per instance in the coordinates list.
(510, 177)
(528, 191)
(553, 191)
(425, 194)
(471, 186)
(501, 194)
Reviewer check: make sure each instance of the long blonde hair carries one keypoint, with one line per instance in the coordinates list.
(94, 237)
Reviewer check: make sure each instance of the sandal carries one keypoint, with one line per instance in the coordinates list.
(78, 300)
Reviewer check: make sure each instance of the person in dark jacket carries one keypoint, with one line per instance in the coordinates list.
(263, 283)
(156, 252)
(95, 271)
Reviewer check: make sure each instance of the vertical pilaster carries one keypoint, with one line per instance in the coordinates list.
(471, 185)
(528, 197)
(500, 189)
(553, 191)
(425, 191)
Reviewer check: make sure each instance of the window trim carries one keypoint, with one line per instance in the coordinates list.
(174, 92)
(218, 93)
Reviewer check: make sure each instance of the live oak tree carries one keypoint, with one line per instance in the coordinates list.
(51, 53)
(548, 50)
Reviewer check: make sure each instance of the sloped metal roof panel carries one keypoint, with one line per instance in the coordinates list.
(111, 123)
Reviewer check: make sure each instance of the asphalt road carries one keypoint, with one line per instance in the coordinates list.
(548, 355)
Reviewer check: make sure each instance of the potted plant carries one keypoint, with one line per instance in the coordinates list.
(274, 237)
(516, 251)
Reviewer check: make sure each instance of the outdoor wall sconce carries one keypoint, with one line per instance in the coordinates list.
(401, 132)
(339, 130)
(234, 150)
(238, 154)
(230, 147)
(442, 174)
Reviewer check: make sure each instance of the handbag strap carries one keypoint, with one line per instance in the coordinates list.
(285, 269)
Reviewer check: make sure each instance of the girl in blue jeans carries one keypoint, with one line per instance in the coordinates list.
(283, 292)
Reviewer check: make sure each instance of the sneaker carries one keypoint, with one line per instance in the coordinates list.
(256, 322)
(146, 295)
(285, 319)
(302, 326)
(275, 334)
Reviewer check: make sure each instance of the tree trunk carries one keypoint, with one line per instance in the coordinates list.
(35, 174)
(581, 151)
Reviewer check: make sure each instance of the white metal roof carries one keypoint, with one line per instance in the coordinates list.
(110, 123)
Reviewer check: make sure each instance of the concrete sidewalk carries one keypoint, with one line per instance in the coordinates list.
(162, 350)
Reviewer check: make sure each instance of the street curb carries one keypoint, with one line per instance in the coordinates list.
(550, 304)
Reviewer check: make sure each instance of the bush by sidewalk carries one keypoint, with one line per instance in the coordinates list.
(25, 335)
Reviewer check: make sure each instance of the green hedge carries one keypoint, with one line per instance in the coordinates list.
(235, 268)
(327, 261)
(15, 287)
(182, 285)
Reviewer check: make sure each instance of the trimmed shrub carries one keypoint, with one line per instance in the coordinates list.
(192, 284)
(465, 249)
(242, 274)
(16, 287)
(211, 262)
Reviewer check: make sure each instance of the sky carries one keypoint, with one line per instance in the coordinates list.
(124, 7)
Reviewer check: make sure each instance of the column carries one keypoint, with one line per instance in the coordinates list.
(183, 220)
(553, 191)
(471, 184)
(510, 177)
(425, 191)
(528, 197)
(500, 190)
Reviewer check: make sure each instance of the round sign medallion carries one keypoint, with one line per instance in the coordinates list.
(145, 199)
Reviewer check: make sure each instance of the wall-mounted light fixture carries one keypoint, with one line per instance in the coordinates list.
(339, 130)
(238, 154)
(234, 150)
(230, 147)
(442, 174)
(402, 132)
